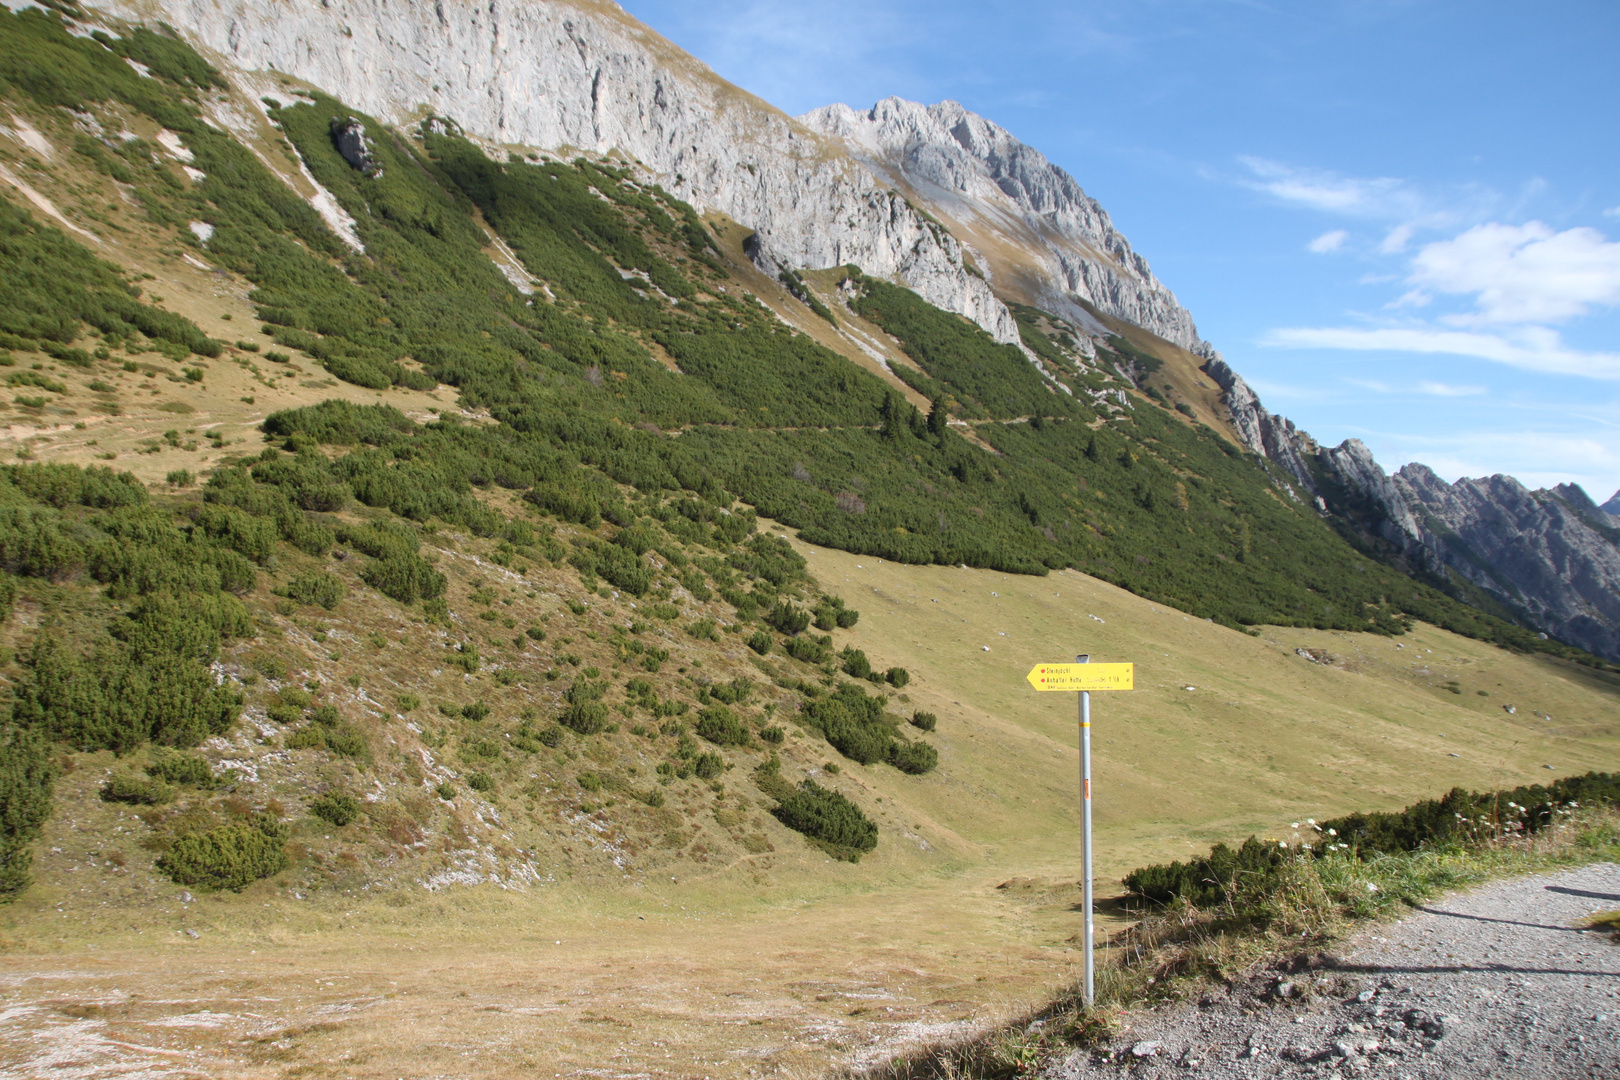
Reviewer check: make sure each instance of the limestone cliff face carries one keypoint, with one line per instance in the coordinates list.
(1541, 552)
(1043, 238)
(583, 75)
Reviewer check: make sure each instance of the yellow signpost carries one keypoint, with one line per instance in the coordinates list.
(1084, 676)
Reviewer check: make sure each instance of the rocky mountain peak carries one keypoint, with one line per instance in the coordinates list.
(1041, 235)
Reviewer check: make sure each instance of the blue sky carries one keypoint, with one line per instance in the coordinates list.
(1399, 220)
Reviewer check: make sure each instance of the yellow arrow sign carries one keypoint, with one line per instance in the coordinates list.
(1082, 677)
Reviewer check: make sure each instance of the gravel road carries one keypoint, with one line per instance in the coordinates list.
(1492, 983)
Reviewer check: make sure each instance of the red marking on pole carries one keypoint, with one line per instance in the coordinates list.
(1088, 790)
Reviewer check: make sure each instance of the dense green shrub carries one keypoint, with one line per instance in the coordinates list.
(853, 723)
(1207, 880)
(809, 648)
(1462, 816)
(186, 769)
(1458, 818)
(229, 857)
(788, 618)
(587, 718)
(707, 766)
(760, 642)
(481, 782)
(854, 662)
(915, 758)
(405, 576)
(897, 677)
(335, 807)
(720, 726)
(927, 721)
(829, 820)
(27, 774)
(126, 787)
(316, 587)
(113, 702)
(308, 737)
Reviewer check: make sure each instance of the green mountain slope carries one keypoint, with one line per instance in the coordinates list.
(624, 416)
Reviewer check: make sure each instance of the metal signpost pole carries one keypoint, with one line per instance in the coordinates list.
(1085, 826)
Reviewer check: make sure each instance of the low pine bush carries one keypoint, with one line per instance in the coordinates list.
(132, 789)
(481, 782)
(188, 769)
(915, 758)
(308, 737)
(788, 618)
(229, 857)
(829, 820)
(720, 726)
(927, 721)
(1458, 820)
(337, 808)
(760, 642)
(317, 587)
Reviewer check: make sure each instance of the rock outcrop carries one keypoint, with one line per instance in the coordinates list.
(1552, 557)
(581, 74)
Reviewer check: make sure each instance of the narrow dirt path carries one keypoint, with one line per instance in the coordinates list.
(1492, 983)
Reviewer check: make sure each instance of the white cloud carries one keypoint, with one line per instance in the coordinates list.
(1328, 242)
(1439, 389)
(1613, 211)
(1397, 238)
(1319, 189)
(1532, 348)
(1523, 273)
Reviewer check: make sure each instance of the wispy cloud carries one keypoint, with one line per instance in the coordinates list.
(1321, 189)
(1440, 389)
(1531, 348)
(1328, 242)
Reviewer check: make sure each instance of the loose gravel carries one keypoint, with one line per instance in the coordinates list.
(1498, 982)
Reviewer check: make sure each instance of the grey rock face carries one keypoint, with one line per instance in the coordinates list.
(350, 136)
(1007, 195)
(1551, 556)
(1544, 553)
(561, 75)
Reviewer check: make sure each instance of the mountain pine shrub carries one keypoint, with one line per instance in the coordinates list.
(720, 726)
(228, 857)
(828, 820)
(336, 808)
